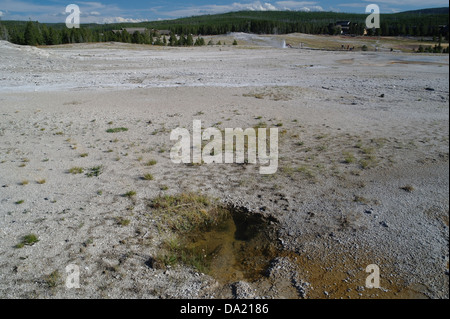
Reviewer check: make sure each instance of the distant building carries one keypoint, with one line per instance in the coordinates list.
(162, 32)
(344, 26)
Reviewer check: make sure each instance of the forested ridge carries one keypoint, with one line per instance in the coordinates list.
(421, 23)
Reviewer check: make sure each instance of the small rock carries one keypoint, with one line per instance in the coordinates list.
(326, 293)
(382, 95)
(384, 224)
(242, 290)
(368, 211)
(430, 89)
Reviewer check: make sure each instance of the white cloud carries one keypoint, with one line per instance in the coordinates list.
(238, 6)
(299, 6)
(91, 11)
(1, 14)
(122, 20)
(352, 5)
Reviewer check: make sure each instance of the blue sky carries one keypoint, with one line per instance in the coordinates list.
(142, 10)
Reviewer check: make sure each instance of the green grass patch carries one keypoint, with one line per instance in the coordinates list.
(129, 194)
(54, 279)
(148, 177)
(95, 171)
(349, 158)
(188, 212)
(76, 170)
(151, 162)
(28, 240)
(123, 221)
(117, 130)
(183, 216)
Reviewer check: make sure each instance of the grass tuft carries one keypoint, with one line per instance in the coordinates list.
(129, 194)
(151, 162)
(28, 240)
(147, 177)
(76, 170)
(116, 130)
(95, 171)
(54, 279)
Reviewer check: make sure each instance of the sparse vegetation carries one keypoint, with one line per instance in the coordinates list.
(306, 172)
(28, 240)
(147, 177)
(188, 211)
(76, 170)
(95, 171)
(349, 158)
(41, 181)
(130, 194)
(54, 279)
(182, 214)
(151, 162)
(117, 130)
(122, 221)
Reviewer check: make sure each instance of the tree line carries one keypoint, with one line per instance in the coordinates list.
(418, 24)
(35, 33)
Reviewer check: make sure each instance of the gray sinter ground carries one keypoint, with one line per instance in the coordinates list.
(363, 168)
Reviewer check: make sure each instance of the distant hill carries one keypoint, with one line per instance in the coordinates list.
(286, 17)
(420, 23)
(443, 10)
